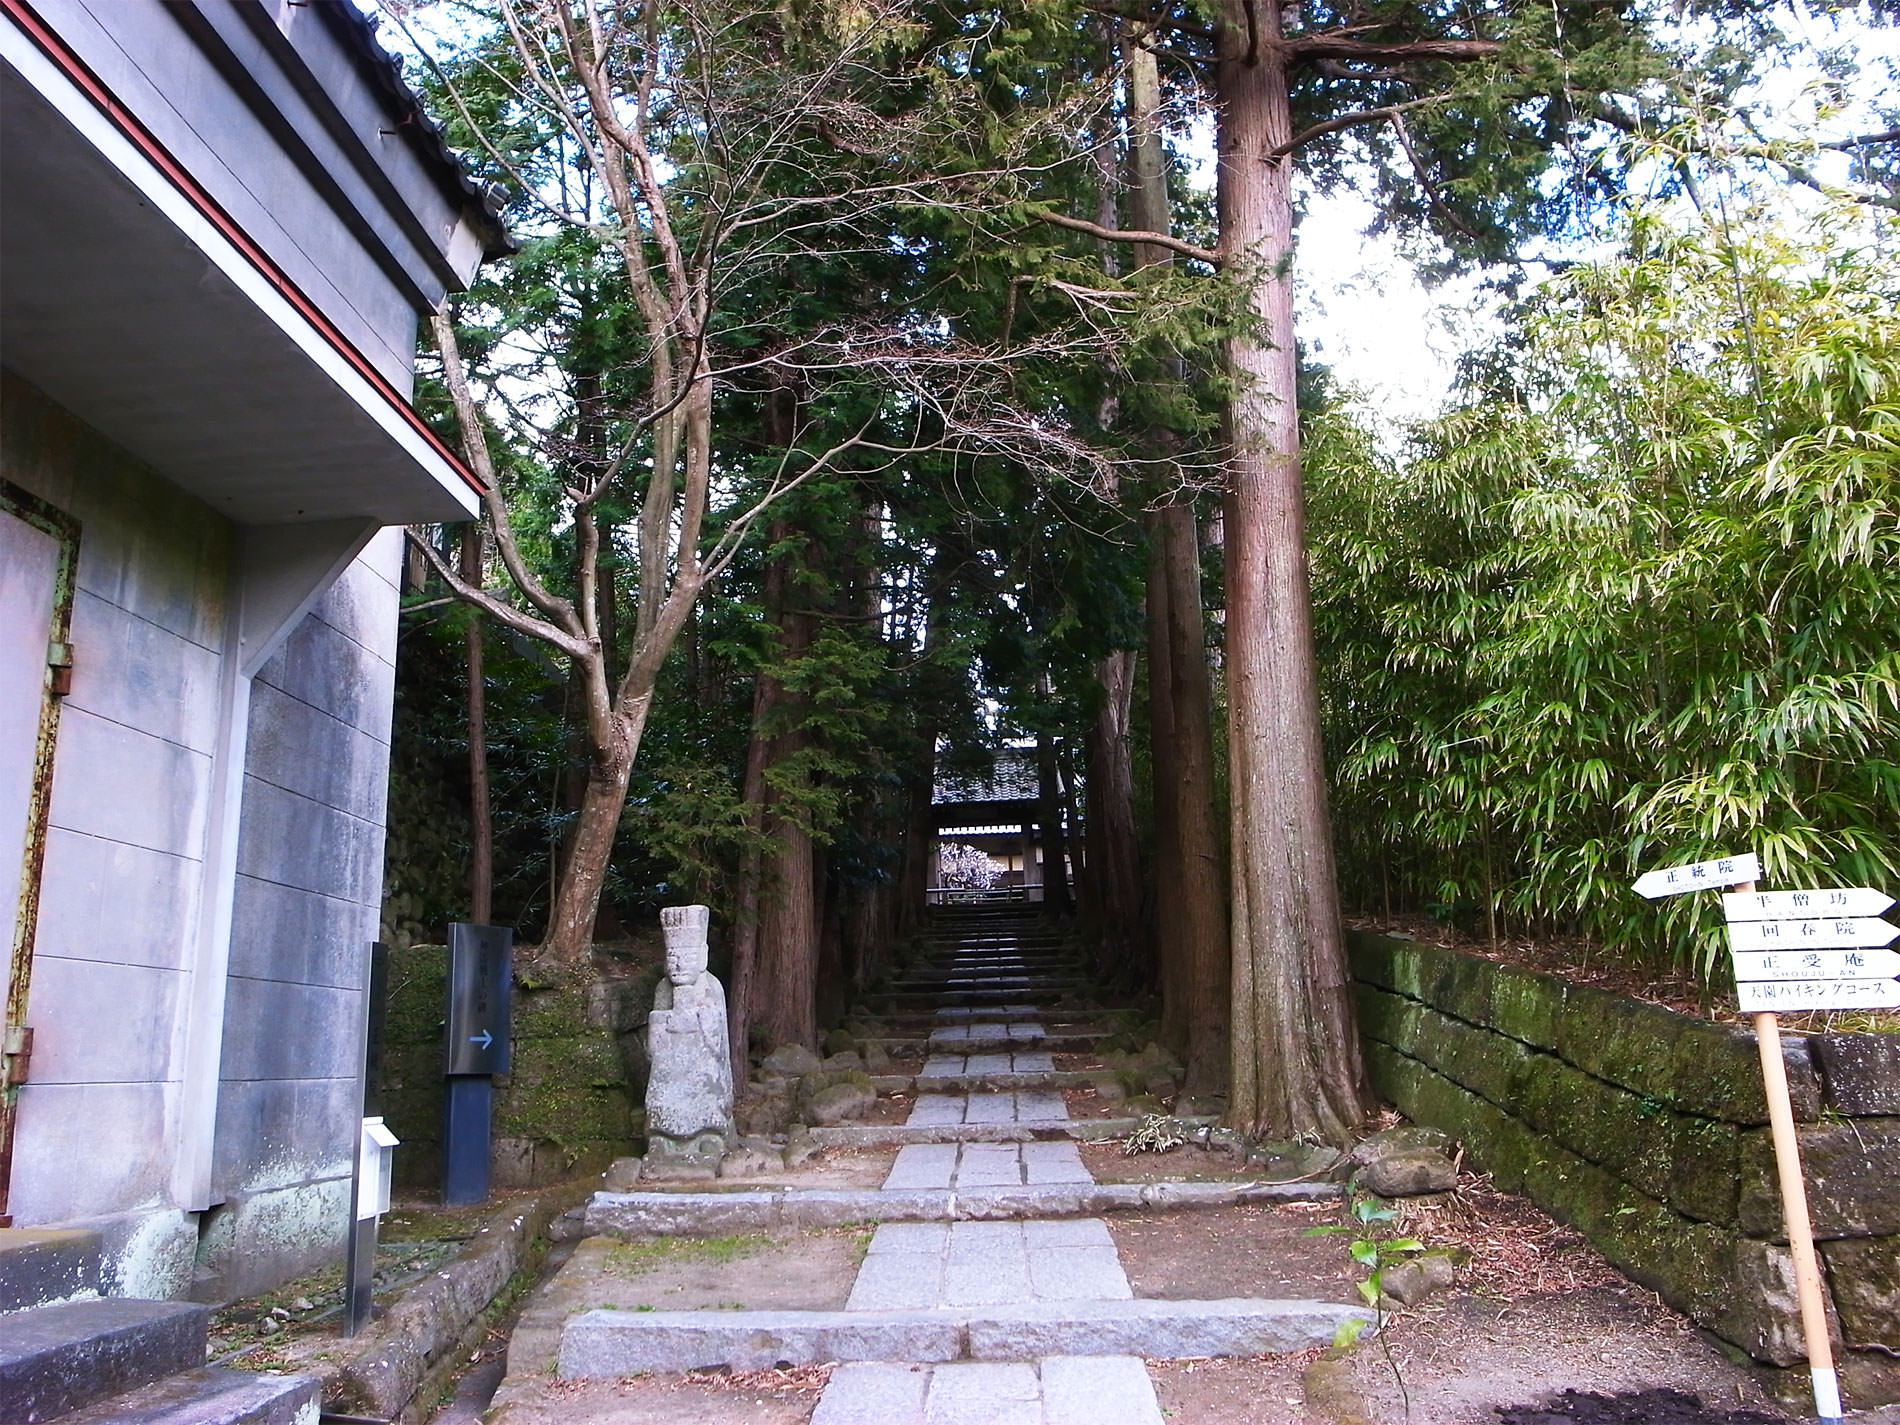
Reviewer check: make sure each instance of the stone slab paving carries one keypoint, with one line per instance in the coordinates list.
(937, 1110)
(954, 1066)
(1029, 1263)
(991, 1292)
(1010, 1032)
(1063, 1390)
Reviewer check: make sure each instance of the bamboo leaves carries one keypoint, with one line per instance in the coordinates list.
(1639, 597)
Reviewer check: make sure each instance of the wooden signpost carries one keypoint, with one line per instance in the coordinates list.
(1796, 950)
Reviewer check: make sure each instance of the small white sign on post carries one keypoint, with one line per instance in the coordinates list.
(1790, 905)
(1753, 932)
(1789, 996)
(1843, 933)
(1699, 876)
(1815, 964)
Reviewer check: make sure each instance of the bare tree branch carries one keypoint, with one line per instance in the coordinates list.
(1167, 240)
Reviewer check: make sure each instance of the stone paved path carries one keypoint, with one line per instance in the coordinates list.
(978, 1302)
(915, 1265)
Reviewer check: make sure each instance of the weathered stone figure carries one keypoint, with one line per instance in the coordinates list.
(689, 1091)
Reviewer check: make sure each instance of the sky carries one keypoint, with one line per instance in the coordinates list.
(1363, 311)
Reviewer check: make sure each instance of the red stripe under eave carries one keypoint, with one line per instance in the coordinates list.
(23, 15)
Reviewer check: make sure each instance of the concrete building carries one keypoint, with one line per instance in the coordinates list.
(220, 221)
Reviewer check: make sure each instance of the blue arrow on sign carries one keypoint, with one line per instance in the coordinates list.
(484, 1039)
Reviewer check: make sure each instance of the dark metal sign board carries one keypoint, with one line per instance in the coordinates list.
(480, 972)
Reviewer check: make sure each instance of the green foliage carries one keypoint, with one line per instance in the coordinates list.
(1635, 601)
(1375, 1249)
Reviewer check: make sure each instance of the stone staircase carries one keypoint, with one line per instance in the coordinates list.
(991, 1292)
(71, 1355)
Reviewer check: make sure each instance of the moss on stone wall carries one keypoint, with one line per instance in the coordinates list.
(571, 1101)
(1642, 1129)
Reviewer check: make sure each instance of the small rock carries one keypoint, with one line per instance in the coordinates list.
(1109, 1089)
(1159, 1086)
(800, 1147)
(621, 1175)
(1405, 1162)
(875, 1059)
(839, 1102)
(570, 1226)
(793, 1060)
(1411, 1282)
(840, 1041)
(749, 1162)
(847, 1061)
(303, 1303)
(269, 1326)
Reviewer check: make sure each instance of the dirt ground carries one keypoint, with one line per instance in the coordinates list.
(1234, 1251)
(1533, 1313)
(1186, 1164)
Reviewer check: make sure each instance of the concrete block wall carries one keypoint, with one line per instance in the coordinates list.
(309, 889)
(101, 1119)
(119, 889)
(1646, 1130)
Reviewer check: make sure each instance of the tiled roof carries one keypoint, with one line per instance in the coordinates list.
(358, 30)
(1012, 778)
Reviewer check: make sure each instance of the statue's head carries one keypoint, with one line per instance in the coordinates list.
(685, 929)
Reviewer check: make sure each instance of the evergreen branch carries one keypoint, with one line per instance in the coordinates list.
(1864, 141)
(1424, 178)
(1173, 244)
(1358, 117)
(1333, 46)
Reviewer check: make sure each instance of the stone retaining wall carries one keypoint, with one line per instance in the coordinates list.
(1646, 1130)
(571, 1104)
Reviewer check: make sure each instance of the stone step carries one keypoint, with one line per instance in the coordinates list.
(42, 1265)
(56, 1359)
(619, 1343)
(921, 999)
(638, 1216)
(886, 1135)
(1005, 1081)
(208, 1396)
(901, 1047)
(1059, 1390)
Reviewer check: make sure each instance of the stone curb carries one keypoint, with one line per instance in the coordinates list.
(396, 1356)
(1015, 1082)
(885, 1135)
(916, 1044)
(618, 1343)
(639, 1215)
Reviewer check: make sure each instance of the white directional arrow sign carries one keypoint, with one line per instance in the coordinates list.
(1779, 996)
(1815, 964)
(1699, 876)
(1851, 931)
(1781, 905)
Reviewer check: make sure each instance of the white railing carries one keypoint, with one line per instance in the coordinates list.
(967, 895)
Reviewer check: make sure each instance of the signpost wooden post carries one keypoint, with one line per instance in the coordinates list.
(1796, 950)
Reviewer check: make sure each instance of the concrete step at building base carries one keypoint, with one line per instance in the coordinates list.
(211, 1397)
(58, 1359)
(43, 1265)
(619, 1343)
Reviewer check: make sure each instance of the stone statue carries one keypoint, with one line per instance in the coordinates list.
(689, 1087)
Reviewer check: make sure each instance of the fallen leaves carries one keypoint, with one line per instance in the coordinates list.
(1513, 1248)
